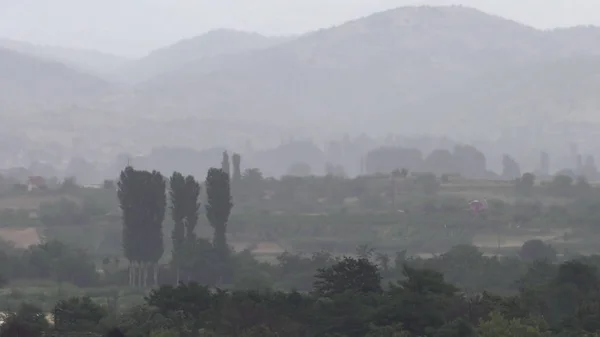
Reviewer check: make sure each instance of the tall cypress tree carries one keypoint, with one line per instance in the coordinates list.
(178, 196)
(192, 188)
(132, 194)
(225, 163)
(155, 211)
(129, 202)
(192, 206)
(218, 209)
(237, 172)
(143, 201)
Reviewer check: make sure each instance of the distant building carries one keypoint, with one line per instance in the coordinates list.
(35, 182)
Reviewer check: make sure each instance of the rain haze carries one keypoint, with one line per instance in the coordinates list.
(253, 75)
(133, 28)
(193, 168)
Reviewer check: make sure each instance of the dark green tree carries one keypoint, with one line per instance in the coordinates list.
(427, 183)
(582, 276)
(225, 163)
(143, 202)
(253, 185)
(456, 328)
(114, 332)
(349, 274)
(178, 197)
(218, 209)
(192, 206)
(561, 185)
(130, 202)
(384, 261)
(536, 249)
(190, 300)
(155, 207)
(78, 314)
(184, 195)
(237, 172)
(14, 327)
(524, 185)
(28, 317)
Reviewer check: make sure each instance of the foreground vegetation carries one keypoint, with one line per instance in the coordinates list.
(348, 298)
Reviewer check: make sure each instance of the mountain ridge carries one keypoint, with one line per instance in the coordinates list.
(413, 70)
(35, 83)
(92, 61)
(215, 43)
(391, 47)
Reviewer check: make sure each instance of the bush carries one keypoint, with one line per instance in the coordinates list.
(533, 250)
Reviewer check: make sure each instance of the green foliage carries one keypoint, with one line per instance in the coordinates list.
(13, 327)
(576, 273)
(178, 199)
(388, 331)
(142, 320)
(498, 326)
(428, 183)
(184, 196)
(65, 213)
(189, 301)
(78, 314)
(54, 260)
(165, 333)
(455, 328)
(259, 331)
(524, 185)
(421, 303)
(192, 206)
(142, 201)
(30, 316)
(355, 275)
(225, 167)
(537, 250)
(218, 209)
(540, 272)
(237, 172)
(561, 186)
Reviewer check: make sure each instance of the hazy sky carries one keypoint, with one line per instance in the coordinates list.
(134, 27)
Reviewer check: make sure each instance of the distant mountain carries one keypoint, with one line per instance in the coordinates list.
(212, 44)
(382, 73)
(91, 61)
(537, 96)
(28, 82)
(579, 40)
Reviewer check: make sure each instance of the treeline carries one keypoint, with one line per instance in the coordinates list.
(466, 160)
(463, 265)
(469, 162)
(53, 261)
(253, 193)
(348, 298)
